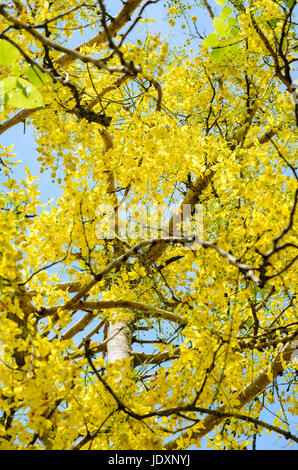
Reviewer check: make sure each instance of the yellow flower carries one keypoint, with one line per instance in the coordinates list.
(173, 10)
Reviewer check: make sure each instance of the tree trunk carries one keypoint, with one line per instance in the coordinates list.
(119, 340)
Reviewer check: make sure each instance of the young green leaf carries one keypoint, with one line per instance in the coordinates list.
(22, 94)
(221, 27)
(232, 21)
(2, 96)
(82, 264)
(218, 55)
(221, 2)
(16, 70)
(24, 90)
(211, 41)
(8, 52)
(9, 83)
(226, 11)
(5, 101)
(222, 54)
(36, 77)
(234, 28)
(274, 22)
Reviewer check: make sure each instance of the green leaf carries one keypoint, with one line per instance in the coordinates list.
(21, 93)
(290, 3)
(23, 89)
(2, 96)
(249, 323)
(211, 41)
(16, 71)
(274, 21)
(82, 264)
(227, 11)
(5, 101)
(221, 2)
(221, 54)
(9, 83)
(36, 77)
(233, 51)
(8, 52)
(221, 27)
(232, 21)
(218, 55)
(234, 28)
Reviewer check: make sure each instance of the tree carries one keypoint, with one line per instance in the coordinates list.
(121, 327)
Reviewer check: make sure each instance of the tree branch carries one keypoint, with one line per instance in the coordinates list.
(128, 68)
(254, 388)
(134, 251)
(117, 24)
(132, 305)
